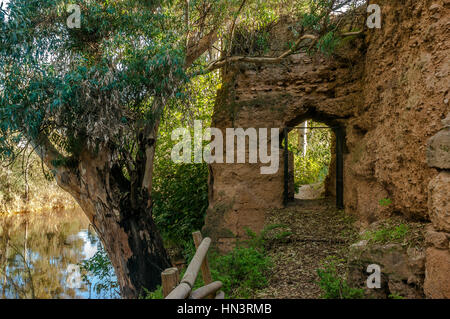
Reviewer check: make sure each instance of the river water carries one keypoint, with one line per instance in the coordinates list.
(41, 254)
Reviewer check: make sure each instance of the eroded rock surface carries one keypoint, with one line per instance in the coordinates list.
(439, 201)
(402, 269)
(389, 90)
(438, 153)
(437, 282)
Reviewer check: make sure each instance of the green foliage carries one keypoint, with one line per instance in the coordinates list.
(124, 65)
(180, 191)
(180, 198)
(117, 71)
(388, 233)
(242, 271)
(246, 268)
(156, 294)
(101, 268)
(332, 282)
(328, 43)
(313, 167)
(385, 202)
(395, 296)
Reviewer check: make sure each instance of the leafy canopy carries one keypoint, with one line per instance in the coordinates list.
(103, 83)
(96, 84)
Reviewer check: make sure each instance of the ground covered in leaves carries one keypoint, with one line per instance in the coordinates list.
(315, 230)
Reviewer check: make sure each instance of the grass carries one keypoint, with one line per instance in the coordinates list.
(243, 270)
(395, 296)
(333, 283)
(387, 233)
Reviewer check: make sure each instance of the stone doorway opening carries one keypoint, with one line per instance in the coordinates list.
(313, 163)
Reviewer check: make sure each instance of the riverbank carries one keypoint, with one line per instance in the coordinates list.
(41, 256)
(50, 197)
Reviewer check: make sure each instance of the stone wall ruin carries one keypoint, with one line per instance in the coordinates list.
(388, 90)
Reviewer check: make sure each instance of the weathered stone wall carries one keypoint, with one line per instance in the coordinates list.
(437, 235)
(402, 269)
(389, 90)
(405, 94)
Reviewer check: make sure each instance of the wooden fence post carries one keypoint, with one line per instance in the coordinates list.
(205, 291)
(206, 273)
(220, 295)
(183, 290)
(170, 279)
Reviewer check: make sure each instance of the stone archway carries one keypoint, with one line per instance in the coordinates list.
(273, 97)
(388, 90)
(334, 184)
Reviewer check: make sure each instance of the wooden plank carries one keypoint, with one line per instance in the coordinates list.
(182, 291)
(207, 290)
(170, 279)
(220, 295)
(206, 273)
(192, 270)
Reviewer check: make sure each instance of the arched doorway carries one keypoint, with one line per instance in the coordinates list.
(338, 158)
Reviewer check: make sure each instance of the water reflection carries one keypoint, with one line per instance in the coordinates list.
(40, 256)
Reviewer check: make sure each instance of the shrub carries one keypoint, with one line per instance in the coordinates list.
(242, 271)
(100, 268)
(388, 233)
(246, 268)
(180, 199)
(333, 284)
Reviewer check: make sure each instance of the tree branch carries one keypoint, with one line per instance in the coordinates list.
(268, 60)
(195, 51)
(46, 151)
(220, 63)
(233, 26)
(48, 154)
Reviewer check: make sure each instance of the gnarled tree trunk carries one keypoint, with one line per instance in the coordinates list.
(120, 210)
(117, 204)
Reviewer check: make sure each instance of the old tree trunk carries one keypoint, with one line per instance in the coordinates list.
(113, 187)
(119, 209)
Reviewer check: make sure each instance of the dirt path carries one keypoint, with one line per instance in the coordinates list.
(318, 230)
(312, 191)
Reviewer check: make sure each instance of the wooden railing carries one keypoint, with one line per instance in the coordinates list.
(173, 288)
